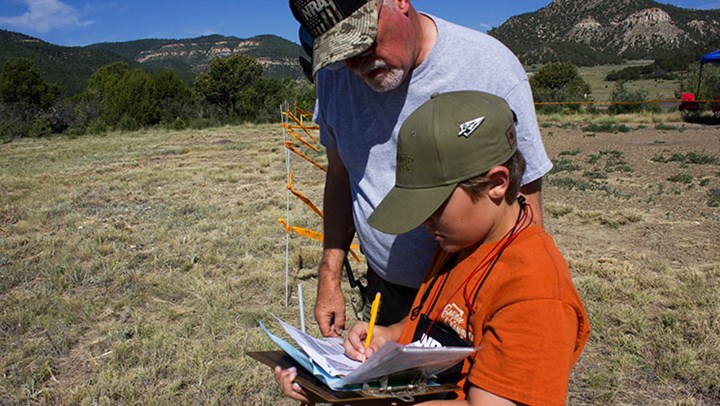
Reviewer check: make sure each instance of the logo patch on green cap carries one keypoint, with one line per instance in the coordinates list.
(469, 127)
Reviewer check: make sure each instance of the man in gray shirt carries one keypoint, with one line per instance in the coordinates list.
(382, 60)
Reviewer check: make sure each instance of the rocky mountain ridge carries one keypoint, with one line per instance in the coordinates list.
(192, 56)
(70, 67)
(598, 31)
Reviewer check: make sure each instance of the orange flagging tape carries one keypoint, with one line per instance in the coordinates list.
(289, 130)
(300, 124)
(289, 145)
(315, 235)
(303, 113)
(302, 197)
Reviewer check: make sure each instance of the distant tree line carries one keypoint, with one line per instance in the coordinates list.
(233, 90)
(666, 68)
(119, 97)
(668, 65)
(558, 83)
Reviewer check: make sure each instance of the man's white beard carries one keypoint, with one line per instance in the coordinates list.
(389, 78)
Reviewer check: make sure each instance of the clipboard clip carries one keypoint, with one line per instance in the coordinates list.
(405, 392)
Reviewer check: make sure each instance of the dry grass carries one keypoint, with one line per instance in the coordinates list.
(644, 118)
(134, 268)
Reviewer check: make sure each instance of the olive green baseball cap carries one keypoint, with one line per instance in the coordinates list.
(451, 138)
(340, 29)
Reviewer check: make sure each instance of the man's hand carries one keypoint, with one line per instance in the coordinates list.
(330, 309)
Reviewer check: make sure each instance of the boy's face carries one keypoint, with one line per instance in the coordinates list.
(460, 223)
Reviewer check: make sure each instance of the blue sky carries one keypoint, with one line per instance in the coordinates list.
(83, 22)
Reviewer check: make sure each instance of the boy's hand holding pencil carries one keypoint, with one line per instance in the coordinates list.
(351, 343)
(364, 339)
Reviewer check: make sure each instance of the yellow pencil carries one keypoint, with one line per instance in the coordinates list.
(373, 316)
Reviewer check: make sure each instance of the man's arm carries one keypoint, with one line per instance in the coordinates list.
(533, 196)
(339, 231)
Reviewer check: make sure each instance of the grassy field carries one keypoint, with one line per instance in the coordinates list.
(601, 89)
(134, 266)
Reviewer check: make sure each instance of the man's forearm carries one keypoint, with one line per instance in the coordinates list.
(330, 269)
(337, 205)
(339, 232)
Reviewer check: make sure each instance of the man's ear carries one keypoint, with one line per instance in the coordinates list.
(499, 177)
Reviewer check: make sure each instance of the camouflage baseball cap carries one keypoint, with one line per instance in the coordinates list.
(340, 29)
(451, 138)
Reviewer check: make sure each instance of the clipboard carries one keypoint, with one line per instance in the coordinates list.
(321, 393)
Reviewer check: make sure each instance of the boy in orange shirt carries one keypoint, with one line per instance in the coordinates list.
(497, 281)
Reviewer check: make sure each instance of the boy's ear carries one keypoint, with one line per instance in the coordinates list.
(499, 177)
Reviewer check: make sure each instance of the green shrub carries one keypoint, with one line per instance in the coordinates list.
(714, 198)
(599, 128)
(681, 178)
(627, 101)
(689, 158)
(595, 175)
(570, 184)
(178, 124)
(623, 128)
(12, 130)
(666, 127)
(698, 159)
(559, 82)
(563, 165)
(39, 128)
(97, 127)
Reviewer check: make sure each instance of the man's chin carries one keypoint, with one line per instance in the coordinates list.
(380, 88)
(385, 81)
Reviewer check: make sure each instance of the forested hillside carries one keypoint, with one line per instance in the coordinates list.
(71, 67)
(595, 32)
(68, 67)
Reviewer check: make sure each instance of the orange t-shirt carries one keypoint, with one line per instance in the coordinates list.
(528, 322)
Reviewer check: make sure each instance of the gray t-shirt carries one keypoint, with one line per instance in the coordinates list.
(362, 125)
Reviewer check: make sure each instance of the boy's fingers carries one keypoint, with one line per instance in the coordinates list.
(277, 374)
(354, 343)
(286, 378)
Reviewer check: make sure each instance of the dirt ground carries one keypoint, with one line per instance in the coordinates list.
(636, 215)
(671, 219)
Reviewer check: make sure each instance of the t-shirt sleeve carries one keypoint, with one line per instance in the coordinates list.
(530, 142)
(527, 352)
(327, 135)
